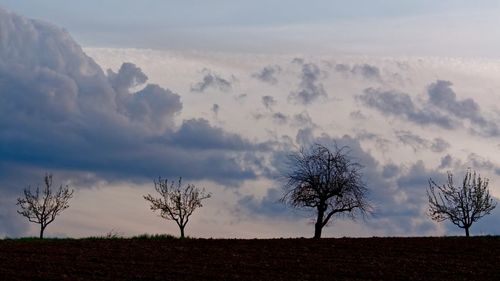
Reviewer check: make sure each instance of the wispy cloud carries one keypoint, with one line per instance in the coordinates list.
(440, 108)
(268, 74)
(310, 88)
(214, 81)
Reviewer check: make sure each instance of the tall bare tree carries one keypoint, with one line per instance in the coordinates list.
(461, 205)
(328, 181)
(42, 206)
(177, 203)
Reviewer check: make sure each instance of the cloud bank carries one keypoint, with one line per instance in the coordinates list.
(59, 110)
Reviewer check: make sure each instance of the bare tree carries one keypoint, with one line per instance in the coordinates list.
(176, 203)
(461, 205)
(328, 181)
(43, 205)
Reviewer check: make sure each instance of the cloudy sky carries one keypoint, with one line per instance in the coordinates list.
(109, 95)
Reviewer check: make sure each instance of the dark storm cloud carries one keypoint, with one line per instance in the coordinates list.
(310, 88)
(441, 108)
(268, 74)
(268, 102)
(419, 143)
(200, 135)
(60, 113)
(214, 81)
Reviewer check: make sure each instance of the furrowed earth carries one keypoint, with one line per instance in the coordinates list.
(447, 258)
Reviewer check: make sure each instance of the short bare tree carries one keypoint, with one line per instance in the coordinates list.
(461, 205)
(177, 203)
(42, 206)
(328, 181)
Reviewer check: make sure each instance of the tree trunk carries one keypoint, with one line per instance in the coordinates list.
(42, 228)
(318, 226)
(182, 231)
(467, 231)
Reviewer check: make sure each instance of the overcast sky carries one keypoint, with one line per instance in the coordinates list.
(108, 95)
(382, 27)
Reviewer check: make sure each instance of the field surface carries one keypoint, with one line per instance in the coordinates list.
(450, 258)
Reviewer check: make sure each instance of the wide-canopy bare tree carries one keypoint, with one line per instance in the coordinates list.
(327, 180)
(177, 203)
(461, 205)
(42, 206)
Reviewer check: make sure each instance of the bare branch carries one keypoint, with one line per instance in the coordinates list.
(462, 206)
(43, 206)
(326, 180)
(176, 203)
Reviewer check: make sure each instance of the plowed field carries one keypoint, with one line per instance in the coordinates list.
(450, 258)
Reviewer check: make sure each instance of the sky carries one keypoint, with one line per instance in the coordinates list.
(109, 95)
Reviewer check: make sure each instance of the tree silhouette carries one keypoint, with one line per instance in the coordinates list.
(43, 206)
(176, 203)
(328, 181)
(461, 205)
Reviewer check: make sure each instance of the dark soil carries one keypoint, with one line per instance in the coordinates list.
(450, 258)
